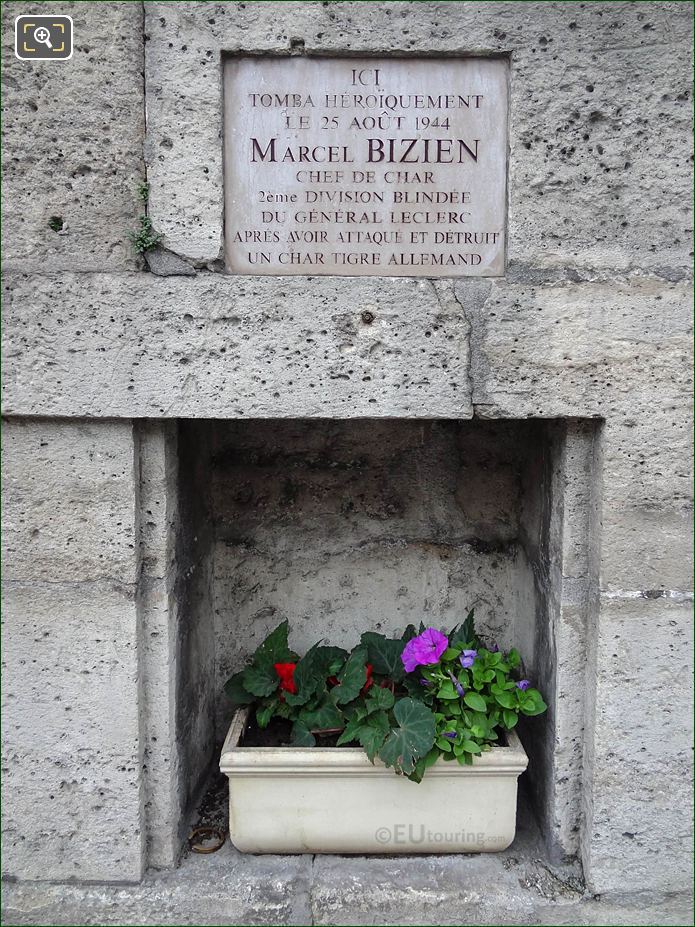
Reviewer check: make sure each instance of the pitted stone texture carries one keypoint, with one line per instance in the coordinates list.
(68, 502)
(230, 347)
(71, 741)
(339, 526)
(71, 762)
(599, 107)
(620, 351)
(638, 764)
(227, 887)
(72, 136)
(597, 348)
(159, 614)
(165, 263)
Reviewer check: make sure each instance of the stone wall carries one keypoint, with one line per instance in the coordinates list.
(590, 321)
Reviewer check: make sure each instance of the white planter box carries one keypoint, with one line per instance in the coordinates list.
(332, 800)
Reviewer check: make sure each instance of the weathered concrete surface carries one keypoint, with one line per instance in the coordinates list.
(159, 616)
(599, 98)
(559, 530)
(72, 143)
(343, 525)
(638, 762)
(71, 729)
(591, 321)
(232, 347)
(230, 888)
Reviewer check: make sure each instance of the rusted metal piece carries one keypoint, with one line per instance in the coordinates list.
(206, 832)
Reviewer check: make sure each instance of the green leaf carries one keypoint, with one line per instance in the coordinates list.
(423, 764)
(313, 670)
(302, 736)
(323, 718)
(534, 704)
(351, 731)
(236, 692)
(260, 681)
(510, 718)
(284, 710)
(505, 699)
(465, 634)
(265, 713)
(470, 746)
(379, 699)
(444, 744)
(465, 759)
(352, 677)
(274, 648)
(373, 733)
(447, 691)
(475, 701)
(451, 653)
(513, 658)
(412, 738)
(384, 654)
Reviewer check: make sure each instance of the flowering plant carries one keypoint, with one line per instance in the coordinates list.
(407, 700)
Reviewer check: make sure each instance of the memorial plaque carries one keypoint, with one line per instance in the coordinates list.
(390, 167)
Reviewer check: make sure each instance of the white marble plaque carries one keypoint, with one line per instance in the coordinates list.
(389, 167)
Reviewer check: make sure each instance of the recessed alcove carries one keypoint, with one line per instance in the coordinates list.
(343, 526)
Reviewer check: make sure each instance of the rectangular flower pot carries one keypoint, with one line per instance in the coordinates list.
(333, 800)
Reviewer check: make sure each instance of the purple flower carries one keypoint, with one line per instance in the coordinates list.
(457, 685)
(424, 649)
(467, 657)
(523, 684)
(493, 648)
(450, 734)
(425, 682)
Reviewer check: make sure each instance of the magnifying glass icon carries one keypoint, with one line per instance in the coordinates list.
(43, 35)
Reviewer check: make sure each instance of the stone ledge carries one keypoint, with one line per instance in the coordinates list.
(222, 346)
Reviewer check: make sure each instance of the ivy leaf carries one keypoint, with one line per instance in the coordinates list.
(465, 634)
(413, 737)
(302, 736)
(323, 718)
(312, 671)
(373, 733)
(236, 692)
(379, 699)
(351, 731)
(384, 654)
(423, 764)
(260, 681)
(475, 701)
(352, 677)
(274, 648)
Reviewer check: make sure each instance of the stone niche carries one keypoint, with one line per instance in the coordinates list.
(343, 526)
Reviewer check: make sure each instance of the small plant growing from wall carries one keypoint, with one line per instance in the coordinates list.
(145, 238)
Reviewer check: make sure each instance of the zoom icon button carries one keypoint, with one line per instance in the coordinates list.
(43, 38)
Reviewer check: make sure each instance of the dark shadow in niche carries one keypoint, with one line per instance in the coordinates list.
(349, 525)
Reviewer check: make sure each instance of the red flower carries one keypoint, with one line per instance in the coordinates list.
(370, 681)
(285, 673)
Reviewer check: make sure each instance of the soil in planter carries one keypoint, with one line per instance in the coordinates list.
(279, 734)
